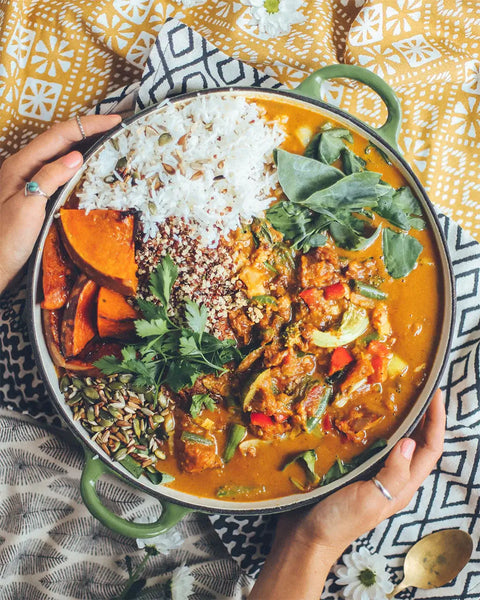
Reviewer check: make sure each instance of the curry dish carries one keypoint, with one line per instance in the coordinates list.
(314, 359)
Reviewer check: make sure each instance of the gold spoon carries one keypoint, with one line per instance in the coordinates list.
(435, 560)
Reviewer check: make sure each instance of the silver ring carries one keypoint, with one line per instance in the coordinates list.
(80, 126)
(33, 189)
(382, 488)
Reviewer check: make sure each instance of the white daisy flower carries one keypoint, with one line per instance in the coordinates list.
(364, 576)
(181, 584)
(275, 17)
(164, 542)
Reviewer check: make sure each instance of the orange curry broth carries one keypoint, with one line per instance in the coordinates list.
(415, 326)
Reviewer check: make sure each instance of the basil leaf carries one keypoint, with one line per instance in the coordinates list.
(300, 176)
(352, 233)
(308, 458)
(401, 209)
(352, 192)
(400, 253)
(299, 224)
(327, 145)
(352, 163)
(340, 468)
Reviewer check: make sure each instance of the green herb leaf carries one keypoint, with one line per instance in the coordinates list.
(308, 459)
(340, 468)
(196, 316)
(109, 365)
(327, 145)
(298, 224)
(162, 280)
(352, 163)
(400, 252)
(199, 401)
(235, 436)
(352, 192)
(301, 176)
(155, 327)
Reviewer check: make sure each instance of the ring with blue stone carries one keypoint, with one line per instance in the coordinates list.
(33, 189)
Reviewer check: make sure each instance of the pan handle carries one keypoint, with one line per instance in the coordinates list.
(311, 87)
(93, 470)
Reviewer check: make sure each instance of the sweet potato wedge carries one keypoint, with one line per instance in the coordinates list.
(93, 351)
(57, 270)
(115, 316)
(101, 244)
(78, 323)
(52, 320)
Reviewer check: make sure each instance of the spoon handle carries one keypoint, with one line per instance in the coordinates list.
(401, 586)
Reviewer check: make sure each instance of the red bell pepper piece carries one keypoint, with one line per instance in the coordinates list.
(334, 291)
(379, 365)
(379, 349)
(327, 422)
(261, 420)
(312, 297)
(341, 357)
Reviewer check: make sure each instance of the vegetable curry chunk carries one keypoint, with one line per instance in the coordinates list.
(277, 360)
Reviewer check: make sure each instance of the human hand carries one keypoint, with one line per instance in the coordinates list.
(21, 216)
(335, 522)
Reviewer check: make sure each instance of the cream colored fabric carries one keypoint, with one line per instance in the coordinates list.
(60, 57)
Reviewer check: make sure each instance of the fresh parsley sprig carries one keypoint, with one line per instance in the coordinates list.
(168, 352)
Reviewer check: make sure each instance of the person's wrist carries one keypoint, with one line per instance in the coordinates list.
(303, 540)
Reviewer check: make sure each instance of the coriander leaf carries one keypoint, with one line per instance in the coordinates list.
(199, 401)
(181, 374)
(400, 252)
(162, 280)
(155, 327)
(150, 310)
(300, 176)
(129, 353)
(196, 316)
(328, 145)
(352, 163)
(353, 192)
(109, 365)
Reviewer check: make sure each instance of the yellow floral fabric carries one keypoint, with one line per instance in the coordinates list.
(60, 57)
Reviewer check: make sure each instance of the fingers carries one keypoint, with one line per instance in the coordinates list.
(395, 475)
(20, 167)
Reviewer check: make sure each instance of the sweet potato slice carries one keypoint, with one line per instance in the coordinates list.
(57, 271)
(52, 320)
(78, 323)
(93, 351)
(115, 316)
(101, 244)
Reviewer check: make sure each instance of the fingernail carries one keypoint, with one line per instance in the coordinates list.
(72, 160)
(407, 448)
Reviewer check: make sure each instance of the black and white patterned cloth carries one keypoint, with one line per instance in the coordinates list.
(50, 547)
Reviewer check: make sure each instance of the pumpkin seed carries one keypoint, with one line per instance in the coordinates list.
(91, 393)
(122, 453)
(64, 383)
(96, 428)
(164, 139)
(116, 385)
(91, 414)
(125, 377)
(137, 428)
(78, 383)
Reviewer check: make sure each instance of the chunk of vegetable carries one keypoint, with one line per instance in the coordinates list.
(115, 316)
(194, 438)
(235, 436)
(334, 291)
(354, 324)
(56, 271)
(78, 323)
(261, 420)
(312, 422)
(312, 297)
(341, 357)
(256, 384)
(101, 244)
(369, 291)
(397, 366)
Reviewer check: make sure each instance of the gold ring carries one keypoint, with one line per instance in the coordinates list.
(382, 488)
(80, 126)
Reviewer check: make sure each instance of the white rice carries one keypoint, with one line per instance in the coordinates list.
(221, 152)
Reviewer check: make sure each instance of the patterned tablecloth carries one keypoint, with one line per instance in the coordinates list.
(58, 58)
(51, 548)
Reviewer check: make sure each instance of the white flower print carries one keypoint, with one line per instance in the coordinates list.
(182, 582)
(418, 151)
(134, 10)
(8, 81)
(417, 50)
(368, 26)
(190, 3)
(39, 99)
(52, 56)
(113, 31)
(140, 49)
(465, 117)
(382, 61)
(363, 576)
(398, 19)
(20, 44)
(472, 77)
(274, 17)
